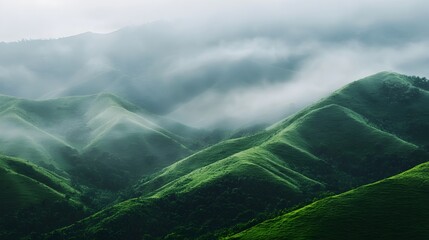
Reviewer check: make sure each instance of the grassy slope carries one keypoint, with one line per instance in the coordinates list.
(33, 199)
(355, 148)
(335, 145)
(200, 159)
(394, 208)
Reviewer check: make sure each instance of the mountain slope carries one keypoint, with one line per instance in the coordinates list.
(401, 121)
(334, 145)
(40, 145)
(394, 208)
(23, 180)
(34, 200)
(100, 134)
(390, 101)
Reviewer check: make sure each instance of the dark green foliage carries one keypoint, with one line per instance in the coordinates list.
(396, 92)
(100, 174)
(421, 82)
(228, 201)
(30, 222)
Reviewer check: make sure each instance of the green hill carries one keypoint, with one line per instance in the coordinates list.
(390, 101)
(101, 140)
(394, 208)
(34, 200)
(325, 131)
(367, 131)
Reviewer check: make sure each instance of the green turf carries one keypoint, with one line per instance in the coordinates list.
(394, 208)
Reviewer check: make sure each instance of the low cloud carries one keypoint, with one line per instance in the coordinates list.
(214, 64)
(328, 69)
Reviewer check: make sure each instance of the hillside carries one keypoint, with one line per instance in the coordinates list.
(364, 108)
(364, 132)
(394, 208)
(99, 139)
(34, 200)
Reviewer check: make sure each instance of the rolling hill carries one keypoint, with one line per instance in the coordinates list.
(100, 139)
(34, 200)
(394, 208)
(369, 130)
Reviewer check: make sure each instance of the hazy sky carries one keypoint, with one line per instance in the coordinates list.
(213, 62)
(32, 19)
(24, 19)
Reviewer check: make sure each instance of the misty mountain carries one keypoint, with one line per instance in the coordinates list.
(369, 130)
(100, 139)
(206, 120)
(206, 76)
(157, 66)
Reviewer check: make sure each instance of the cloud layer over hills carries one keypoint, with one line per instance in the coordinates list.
(213, 64)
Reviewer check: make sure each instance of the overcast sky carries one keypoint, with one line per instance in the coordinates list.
(33, 19)
(214, 61)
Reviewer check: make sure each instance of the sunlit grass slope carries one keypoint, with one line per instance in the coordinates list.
(33, 199)
(394, 208)
(341, 142)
